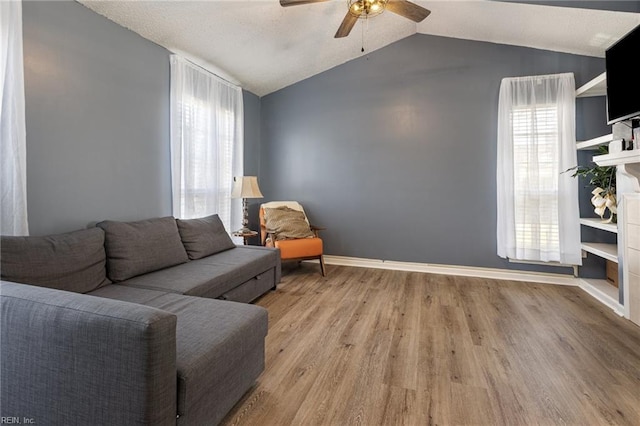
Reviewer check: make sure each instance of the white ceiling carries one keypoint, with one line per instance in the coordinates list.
(265, 47)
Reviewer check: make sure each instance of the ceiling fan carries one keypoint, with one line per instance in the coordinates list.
(363, 9)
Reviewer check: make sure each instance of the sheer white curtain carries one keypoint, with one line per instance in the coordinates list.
(207, 123)
(537, 203)
(13, 162)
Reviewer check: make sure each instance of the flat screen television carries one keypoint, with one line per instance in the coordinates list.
(623, 84)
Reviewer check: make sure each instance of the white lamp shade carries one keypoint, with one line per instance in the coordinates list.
(246, 187)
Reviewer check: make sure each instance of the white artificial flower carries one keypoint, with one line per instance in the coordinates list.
(598, 200)
(611, 203)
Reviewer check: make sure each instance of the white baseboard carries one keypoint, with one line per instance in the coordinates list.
(464, 271)
(600, 290)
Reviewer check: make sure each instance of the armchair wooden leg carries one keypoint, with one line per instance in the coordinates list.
(322, 268)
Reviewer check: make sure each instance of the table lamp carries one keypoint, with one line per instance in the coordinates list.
(245, 187)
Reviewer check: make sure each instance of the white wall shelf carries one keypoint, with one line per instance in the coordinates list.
(601, 289)
(595, 142)
(618, 158)
(606, 251)
(595, 87)
(599, 224)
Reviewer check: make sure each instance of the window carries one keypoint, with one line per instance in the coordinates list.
(195, 183)
(206, 143)
(537, 216)
(535, 177)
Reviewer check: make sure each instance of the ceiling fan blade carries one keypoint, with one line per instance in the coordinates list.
(347, 24)
(285, 3)
(408, 10)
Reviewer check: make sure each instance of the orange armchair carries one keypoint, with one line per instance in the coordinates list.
(292, 249)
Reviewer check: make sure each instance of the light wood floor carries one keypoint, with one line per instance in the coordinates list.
(374, 347)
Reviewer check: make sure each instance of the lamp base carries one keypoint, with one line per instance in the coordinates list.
(245, 232)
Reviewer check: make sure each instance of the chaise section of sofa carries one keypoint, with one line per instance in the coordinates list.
(72, 359)
(219, 347)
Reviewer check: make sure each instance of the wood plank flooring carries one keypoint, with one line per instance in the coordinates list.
(376, 347)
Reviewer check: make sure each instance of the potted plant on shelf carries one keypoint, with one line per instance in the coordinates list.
(604, 181)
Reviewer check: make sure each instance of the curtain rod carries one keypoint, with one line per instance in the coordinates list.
(186, 58)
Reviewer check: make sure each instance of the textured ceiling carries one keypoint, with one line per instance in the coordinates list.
(265, 47)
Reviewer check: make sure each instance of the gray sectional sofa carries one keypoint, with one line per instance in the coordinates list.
(128, 323)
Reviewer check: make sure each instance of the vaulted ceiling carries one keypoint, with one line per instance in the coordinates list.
(265, 47)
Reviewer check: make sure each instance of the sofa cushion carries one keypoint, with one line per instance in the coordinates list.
(204, 236)
(135, 248)
(211, 276)
(287, 223)
(74, 261)
(213, 339)
(219, 349)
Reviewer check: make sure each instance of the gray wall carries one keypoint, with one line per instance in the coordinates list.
(251, 105)
(252, 110)
(97, 114)
(395, 152)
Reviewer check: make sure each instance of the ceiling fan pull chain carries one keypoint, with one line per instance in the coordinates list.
(365, 31)
(362, 32)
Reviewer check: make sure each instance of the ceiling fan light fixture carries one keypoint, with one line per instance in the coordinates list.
(366, 8)
(363, 9)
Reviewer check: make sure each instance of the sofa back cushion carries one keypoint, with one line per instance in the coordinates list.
(135, 248)
(74, 261)
(204, 237)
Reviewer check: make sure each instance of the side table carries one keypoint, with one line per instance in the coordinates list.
(245, 235)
